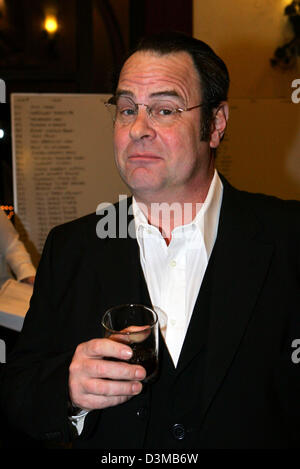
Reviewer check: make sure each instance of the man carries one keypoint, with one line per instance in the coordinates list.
(223, 267)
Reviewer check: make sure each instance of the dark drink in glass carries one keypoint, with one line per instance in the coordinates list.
(137, 326)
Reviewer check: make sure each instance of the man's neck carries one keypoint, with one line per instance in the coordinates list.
(168, 212)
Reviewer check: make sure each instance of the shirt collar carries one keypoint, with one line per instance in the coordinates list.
(206, 220)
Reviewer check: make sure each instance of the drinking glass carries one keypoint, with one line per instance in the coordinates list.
(137, 326)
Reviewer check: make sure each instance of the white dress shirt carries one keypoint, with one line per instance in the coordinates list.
(174, 272)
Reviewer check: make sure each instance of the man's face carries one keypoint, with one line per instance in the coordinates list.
(164, 162)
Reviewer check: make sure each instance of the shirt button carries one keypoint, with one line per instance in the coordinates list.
(173, 263)
(173, 322)
(178, 431)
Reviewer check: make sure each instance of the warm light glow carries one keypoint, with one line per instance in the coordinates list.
(8, 208)
(288, 2)
(51, 24)
(1, 133)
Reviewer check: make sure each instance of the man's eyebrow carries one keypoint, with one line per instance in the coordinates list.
(120, 92)
(165, 93)
(156, 94)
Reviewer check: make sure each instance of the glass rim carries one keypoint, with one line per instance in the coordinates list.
(128, 305)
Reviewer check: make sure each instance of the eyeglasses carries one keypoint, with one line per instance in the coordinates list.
(162, 112)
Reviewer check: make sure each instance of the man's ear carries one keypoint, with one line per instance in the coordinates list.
(219, 123)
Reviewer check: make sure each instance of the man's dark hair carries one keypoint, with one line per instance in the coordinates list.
(213, 73)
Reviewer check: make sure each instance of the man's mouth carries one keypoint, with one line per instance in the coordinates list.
(144, 157)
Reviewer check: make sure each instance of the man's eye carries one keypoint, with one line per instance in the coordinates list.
(165, 111)
(127, 111)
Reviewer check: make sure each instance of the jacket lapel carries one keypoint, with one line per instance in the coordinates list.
(196, 336)
(241, 263)
(121, 277)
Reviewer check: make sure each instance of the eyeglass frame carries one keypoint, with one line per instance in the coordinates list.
(147, 106)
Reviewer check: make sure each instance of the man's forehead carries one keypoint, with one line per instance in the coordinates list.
(173, 71)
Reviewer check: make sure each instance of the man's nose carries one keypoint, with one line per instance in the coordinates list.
(142, 127)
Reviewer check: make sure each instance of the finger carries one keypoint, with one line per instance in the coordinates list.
(97, 390)
(109, 388)
(107, 348)
(114, 370)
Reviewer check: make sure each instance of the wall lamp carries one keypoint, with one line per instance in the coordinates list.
(284, 56)
(51, 33)
(51, 25)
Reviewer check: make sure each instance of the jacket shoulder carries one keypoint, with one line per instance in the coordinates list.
(278, 216)
(267, 204)
(83, 231)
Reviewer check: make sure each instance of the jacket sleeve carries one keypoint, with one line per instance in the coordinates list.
(34, 381)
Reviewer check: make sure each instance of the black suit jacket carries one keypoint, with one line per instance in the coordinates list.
(251, 386)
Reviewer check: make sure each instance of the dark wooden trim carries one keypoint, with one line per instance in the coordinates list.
(84, 39)
(152, 16)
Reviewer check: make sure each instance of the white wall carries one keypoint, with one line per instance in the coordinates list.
(245, 33)
(261, 150)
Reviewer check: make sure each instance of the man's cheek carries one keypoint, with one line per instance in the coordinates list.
(120, 145)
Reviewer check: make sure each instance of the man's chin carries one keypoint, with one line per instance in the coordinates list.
(143, 189)
(142, 182)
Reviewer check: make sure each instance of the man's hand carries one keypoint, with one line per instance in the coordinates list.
(95, 382)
